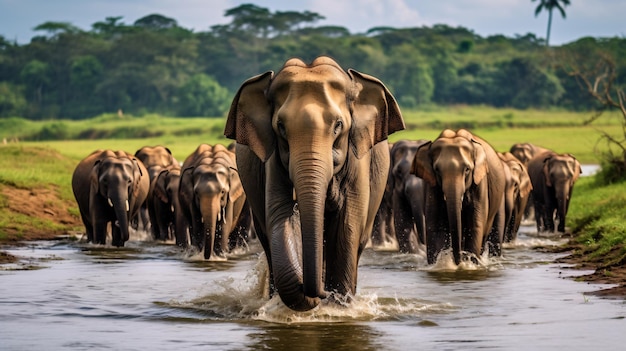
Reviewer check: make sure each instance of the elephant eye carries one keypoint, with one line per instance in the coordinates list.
(338, 127)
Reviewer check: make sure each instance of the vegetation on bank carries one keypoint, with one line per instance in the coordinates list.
(38, 173)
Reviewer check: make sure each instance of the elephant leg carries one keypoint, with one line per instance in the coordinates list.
(342, 252)
(404, 223)
(100, 231)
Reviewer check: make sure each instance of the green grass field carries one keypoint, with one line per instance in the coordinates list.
(596, 211)
(562, 131)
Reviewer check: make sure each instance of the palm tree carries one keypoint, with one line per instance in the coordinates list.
(550, 5)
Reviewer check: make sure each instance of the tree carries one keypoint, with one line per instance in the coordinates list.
(550, 5)
(156, 22)
(203, 96)
(600, 82)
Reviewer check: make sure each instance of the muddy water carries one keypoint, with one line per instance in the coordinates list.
(147, 296)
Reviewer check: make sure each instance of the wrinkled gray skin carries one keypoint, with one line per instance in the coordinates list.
(464, 192)
(517, 192)
(553, 176)
(109, 187)
(316, 136)
(212, 199)
(407, 198)
(156, 159)
(168, 214)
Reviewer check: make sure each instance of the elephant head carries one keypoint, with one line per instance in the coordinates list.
(120, 182)
(455, 167)
(560, 172)
(210, 186)
(155, 158)
(526, 151)
(312, 127)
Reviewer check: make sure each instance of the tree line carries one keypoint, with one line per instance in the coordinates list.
(156, 66)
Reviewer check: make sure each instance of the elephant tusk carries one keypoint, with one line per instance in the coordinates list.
(110, 202)
(219, 215)
(127, 206)
(172, 208)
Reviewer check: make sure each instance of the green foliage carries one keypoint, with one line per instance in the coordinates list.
(156, 66)
(203, 96)
(596, 214)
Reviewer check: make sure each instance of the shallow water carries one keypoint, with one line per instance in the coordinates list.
(150, 296)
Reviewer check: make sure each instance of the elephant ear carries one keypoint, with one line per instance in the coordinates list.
(236, 189)
(546, 171)
(480, 162)
(160, 186)
(375, 113)
(185, 189)
(249, 120)
(137, 174)
(423, 164)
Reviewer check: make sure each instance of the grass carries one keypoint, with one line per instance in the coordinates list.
(562, 131)
(596, 213)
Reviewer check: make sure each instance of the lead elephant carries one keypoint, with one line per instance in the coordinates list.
(464, 192)
(517, 193)
(313, 157)
(553, 177)
(407, 197)
(212, 199)
(109, 187)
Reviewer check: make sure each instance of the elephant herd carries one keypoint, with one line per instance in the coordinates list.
(199, 204)
(312, 176)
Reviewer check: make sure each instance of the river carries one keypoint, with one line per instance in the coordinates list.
(66, 295)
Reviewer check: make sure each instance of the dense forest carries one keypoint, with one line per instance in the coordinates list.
(156, 66)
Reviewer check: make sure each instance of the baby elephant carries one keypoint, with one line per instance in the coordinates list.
(109, 187)
(212, 199)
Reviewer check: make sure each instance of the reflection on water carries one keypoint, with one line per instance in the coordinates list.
(154, 296)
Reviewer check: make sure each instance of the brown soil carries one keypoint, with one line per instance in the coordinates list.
(42, 203)
(45, 203)
(603, 273)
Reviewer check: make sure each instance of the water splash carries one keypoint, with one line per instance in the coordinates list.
(247, 299)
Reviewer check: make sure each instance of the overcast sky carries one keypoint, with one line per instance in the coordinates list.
(597, 18)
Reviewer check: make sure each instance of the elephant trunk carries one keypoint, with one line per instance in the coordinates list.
(211, 211)
(562, 200)
(297, 238)
(453, 195)
(121, 208)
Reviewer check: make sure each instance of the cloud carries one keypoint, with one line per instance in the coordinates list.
(361, 15)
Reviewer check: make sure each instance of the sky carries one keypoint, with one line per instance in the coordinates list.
(596, 18)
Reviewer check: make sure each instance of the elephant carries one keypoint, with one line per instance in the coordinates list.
(525, 152)
(156, 159)
(109, 187)
(313, 158)
(407, 197)
(464, 193)
(517, 193)
(166, 207)
(212, 199)
(553, 177)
